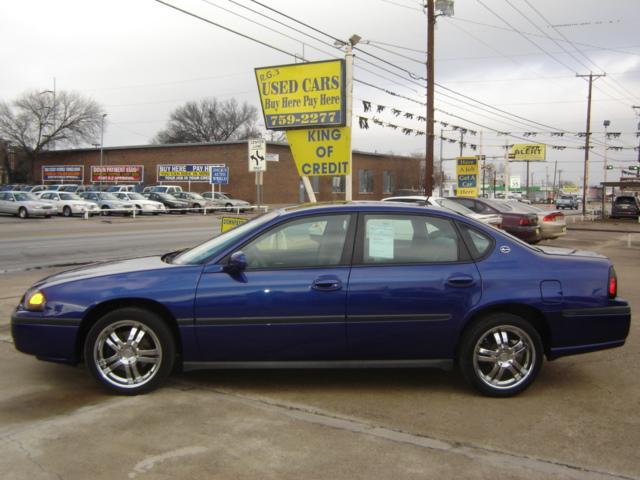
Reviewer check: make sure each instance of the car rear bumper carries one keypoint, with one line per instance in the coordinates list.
(553, 230)
(529, 234)
(50, 339)
(624, 213)
(598, 329)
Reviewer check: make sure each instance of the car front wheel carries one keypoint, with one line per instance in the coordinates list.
(66, 211)
(130, 351)
(22, 213)
(500, 355)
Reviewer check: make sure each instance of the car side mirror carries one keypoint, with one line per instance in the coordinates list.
(237, 263)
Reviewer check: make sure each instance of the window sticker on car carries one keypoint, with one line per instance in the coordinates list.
(381, 235)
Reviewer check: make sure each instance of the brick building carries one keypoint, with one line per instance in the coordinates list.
(374, 175)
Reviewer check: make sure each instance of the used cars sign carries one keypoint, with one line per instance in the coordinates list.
(302, 95)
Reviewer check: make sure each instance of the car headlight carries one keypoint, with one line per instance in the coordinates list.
(35, 301)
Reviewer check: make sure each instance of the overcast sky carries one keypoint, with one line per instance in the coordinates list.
(141, 59)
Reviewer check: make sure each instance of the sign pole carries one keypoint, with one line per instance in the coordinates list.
(309, 188)
(507, 178)
(348, 187)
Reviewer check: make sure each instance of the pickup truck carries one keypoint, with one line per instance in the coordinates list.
(567, 201)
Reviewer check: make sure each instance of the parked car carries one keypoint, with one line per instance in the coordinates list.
(73, 188)
(36, 188)
(171, 189)
(491, 219)
(303, 287)
(196, 201)
(223, 199)
(519, 224)
(24, 205)
(109, 203)
(567, 201)
(141, 203)
(553, 223)
(625, 206)
(69, 204)
(121, 188)
(172, 203)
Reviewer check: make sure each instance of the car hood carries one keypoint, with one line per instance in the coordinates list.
(568, 252)
(107, 268)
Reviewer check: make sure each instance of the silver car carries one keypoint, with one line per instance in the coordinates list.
(553, 223)
(109, 203)
(24, 205)
(222, 199)
(69, 204)
(141, 203)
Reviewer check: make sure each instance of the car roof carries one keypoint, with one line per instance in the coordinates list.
(366, 206)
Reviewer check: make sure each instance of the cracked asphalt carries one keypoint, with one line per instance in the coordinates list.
(580, 420)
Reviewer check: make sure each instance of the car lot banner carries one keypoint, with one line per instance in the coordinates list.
(63, 173)
(528, 152)
(117, 173)
(303, 95)
(228, 223)
(184, 173)
(467, 172)
(321, 151)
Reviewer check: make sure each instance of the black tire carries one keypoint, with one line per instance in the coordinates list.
(138, 210)
(197, 208)
(229, 207)
(66, 211)
(106, 211)
(23, 213)
(120, 369)
(496, 367)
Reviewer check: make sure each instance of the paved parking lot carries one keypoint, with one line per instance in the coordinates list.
(581, 419)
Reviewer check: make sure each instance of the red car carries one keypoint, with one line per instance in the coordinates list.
(519, 224)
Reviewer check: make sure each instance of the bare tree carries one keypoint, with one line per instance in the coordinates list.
(36, 121)
(210, 120)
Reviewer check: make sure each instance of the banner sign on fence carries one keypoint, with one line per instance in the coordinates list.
(302, 95)
(184, 173)
(228, 223)
(63, 173)
(117, 173)
(219, 175)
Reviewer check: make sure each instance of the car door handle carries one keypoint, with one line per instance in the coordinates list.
(326, 284)
(460, 281)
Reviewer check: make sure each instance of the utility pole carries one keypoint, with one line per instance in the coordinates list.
(585, 179)
(102, 145)
(428, 167)
(555, 172)
(462, 132)
(636, 109)
(441, 165)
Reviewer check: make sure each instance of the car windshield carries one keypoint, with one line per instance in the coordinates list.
(523, 207)
(217, 244)
(159, 189)
(500, 205)
(166, 196)
(69, 196)
(196, 196)
(625, 200)
(136, 196)
(24, 196)
(453, 206)
(107, 196)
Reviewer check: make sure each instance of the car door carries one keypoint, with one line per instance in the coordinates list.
(289, 304)
(411, 283)
(4, 203)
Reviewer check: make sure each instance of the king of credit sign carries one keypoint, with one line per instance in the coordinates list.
(303, 95)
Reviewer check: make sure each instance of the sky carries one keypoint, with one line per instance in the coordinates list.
(141, 59)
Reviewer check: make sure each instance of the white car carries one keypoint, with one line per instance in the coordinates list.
(490, 219)
(142, 204)
(24, 205)
(69, 204)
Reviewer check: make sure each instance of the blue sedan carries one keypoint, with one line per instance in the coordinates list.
(349, 285)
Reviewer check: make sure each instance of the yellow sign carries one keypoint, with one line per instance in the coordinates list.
(321, 151)
(228, 223)
(528, 152)
(302, 95)
(467, 172)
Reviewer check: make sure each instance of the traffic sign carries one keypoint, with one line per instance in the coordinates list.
(219, 175)
(257, 154)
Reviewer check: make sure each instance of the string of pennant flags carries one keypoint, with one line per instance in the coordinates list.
(363, 123)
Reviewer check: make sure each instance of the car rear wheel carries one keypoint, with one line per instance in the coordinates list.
(130, 351)
(23, 213)
(106, 211)
(66, 211)
(229, 207)
(500, 355)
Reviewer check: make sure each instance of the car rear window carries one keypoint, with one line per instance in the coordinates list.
(620, 200)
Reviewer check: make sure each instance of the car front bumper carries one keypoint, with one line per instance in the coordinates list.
(50, 339)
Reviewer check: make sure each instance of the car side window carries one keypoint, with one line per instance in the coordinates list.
(309, 242)
(478, 242)
(402, 239)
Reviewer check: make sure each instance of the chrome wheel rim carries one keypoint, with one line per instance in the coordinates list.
(504, 357)
(127, 354)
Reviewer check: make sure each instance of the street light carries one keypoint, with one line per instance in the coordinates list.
(606, 124)
(101, 144)
(435, 8)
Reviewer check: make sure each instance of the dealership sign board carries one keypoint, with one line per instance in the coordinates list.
(303, 95)
(321, 151)
(63, 173)
(467, 173)
(227, 223)
(117, 173)
(184, 173)
(528, 152)
(219, 175)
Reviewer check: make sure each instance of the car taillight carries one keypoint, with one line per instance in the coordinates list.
(524, 221)
(552, 216)
(612, 288)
